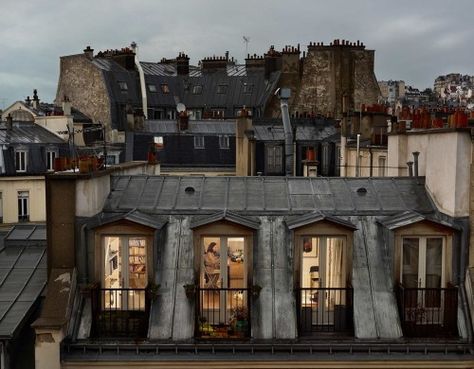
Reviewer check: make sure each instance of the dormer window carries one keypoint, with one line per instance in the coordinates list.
(21, 161)
(247, 88)
(123, 86)
(152, 88)
(197, 89)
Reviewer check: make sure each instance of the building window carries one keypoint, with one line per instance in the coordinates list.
(23, 206)
(123, 86)
(199, 142)
(247, 88)
(196, 114)
(382, 161)
(1, 207)
(152, 88)
(274, 159)
(325, 159)
(50, 156)
(197, 89)
(21, 160)
(217, 113)
(165, 88)
(222, 89)
(223, 288)
(224, 141)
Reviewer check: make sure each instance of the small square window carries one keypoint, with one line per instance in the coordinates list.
(247, 88)
(152, 88)
(222, 89)
(165, 88)
(197, 89)
(123, 85)
(199, 142)
(224, 142)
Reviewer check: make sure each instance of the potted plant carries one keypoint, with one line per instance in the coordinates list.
(190, 290)
(255, 290)
(239, 319)
(152, 291)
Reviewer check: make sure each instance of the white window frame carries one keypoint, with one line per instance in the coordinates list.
(23, 206)
(51, 154)
(382, 161)
(224, 142)
(199, 142)
(21, 160)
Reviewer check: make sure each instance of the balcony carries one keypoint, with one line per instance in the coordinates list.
(324, 310)
(222, 313)
(428, 312)
(120, 312)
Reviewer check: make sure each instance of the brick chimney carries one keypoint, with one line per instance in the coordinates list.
(89, 53)
(66, 106)
(272, 61)
(254, 61)
(36, 101)
(215, 63)
(9, 122)
(182, 64)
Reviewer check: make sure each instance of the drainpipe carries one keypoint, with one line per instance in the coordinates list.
(284, 94)
(415, 160)
(358, 156)
(410, 168)
(142, 80)
(371, 162)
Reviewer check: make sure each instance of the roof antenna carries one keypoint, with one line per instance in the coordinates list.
(246, 42)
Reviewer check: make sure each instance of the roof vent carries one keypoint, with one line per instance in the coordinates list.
(189, 190)
(361, 191)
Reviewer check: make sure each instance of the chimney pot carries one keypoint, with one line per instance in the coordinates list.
(9, 122)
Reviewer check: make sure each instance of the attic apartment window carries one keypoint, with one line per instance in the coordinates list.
(222, 89)
(197, 90)
(247, 88)
(199, 142)
(152, 88)
(20, 160)
(123, 86)
(224, 142)
(165, 88)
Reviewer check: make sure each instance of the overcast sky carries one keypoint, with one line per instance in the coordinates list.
(414, 40)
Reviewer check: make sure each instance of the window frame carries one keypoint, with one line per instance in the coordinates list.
(224, 142)
(423, 229)
(23, 200)
(21, 160)
(152, 88)
(122, 228)
(199, 142)
(51, 155)
(197, 90)
(123, 86)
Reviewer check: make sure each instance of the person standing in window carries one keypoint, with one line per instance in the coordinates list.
(212, 266)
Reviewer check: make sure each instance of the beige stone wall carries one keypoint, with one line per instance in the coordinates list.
(84, 85)
(9, 188)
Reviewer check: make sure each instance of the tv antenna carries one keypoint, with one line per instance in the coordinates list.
(246, 41)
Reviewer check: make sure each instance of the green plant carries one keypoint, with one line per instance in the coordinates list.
(190, 290)
(153, 290)
(255, 290)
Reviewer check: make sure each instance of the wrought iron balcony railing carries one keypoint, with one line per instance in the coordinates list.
(120, 312)
(428, 312)
(324, 310)
(222, 313)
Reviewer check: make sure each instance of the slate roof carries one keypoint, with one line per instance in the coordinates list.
(321, 130)
(27, 133)
(23, 276)
(292, 195)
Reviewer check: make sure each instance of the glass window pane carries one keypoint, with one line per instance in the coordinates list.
(434, 259)
(334, 263)
(236, 262)
(211, 276)
(410, 262)
(137, 263)
(112, 263)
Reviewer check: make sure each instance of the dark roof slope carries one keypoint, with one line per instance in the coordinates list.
(281, 195)
(27, 133)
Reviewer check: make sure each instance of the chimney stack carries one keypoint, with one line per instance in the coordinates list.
(410, 168)
(9, 122)
(35, 99)
(182, 64)
(66, 106)
(89, 53)
(416, 154)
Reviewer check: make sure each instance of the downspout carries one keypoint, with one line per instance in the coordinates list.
(142, 80)
(371, 162)
(284, 94)
(358, 156)
(272, 255)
